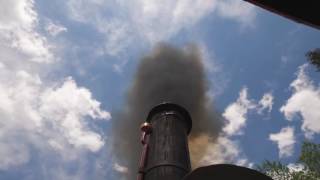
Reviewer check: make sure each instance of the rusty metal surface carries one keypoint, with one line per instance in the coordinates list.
(146, 130)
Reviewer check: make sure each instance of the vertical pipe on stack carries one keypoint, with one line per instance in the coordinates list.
(168, 152)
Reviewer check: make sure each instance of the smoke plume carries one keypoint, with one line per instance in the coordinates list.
(168, 74)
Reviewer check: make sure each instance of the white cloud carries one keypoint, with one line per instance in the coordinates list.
(118, 36)
(150, 21)
(213, 67)
(118, 68)
(38, 116)
(266, 102)
(119, 168)
(208, 59)
(65, 108)
(295, 167)
(226, 150)
(43, 117)
(223, 150)
(237, 10)
(17, 14)
(304, 101)
(13, 154)
(17, 26)
(285, 140)
(55, 29)
(236, 113)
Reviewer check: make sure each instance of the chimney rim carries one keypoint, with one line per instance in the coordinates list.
(166, 106)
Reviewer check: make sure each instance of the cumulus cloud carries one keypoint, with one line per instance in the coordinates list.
(223, 150)
(266, 102)
(13, 154)
(285, 140)
(65, 108)
(119, 168)
(55, 29)
(152, 21)
(226, 150)
(304, 101)
(39, 116)
(237, 10)
(236, 113)
(18, 23)
(33, 115)
(17, 13)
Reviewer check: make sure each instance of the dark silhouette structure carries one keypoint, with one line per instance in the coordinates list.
(165, 154)
(225, 172)
(306, 12)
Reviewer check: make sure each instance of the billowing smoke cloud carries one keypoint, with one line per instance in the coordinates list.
(167, 74)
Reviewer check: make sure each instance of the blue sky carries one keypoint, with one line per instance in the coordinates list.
(65, 67)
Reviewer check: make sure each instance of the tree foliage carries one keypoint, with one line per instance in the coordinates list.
(310, 157)
(309, 161)
(313, 57)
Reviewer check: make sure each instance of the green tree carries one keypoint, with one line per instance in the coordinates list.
(313, 57)
(309, 159)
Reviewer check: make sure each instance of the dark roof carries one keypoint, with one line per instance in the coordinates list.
(306, 12)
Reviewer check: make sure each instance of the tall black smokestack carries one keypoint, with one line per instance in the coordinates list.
(167, 157)
(167, 74)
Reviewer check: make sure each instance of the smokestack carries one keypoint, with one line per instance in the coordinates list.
(166, 74)
(166, 156)
(174, 75)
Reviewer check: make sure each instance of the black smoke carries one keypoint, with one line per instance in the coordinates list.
(167, 74)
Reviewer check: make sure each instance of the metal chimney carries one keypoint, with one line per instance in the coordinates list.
(166, 153)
